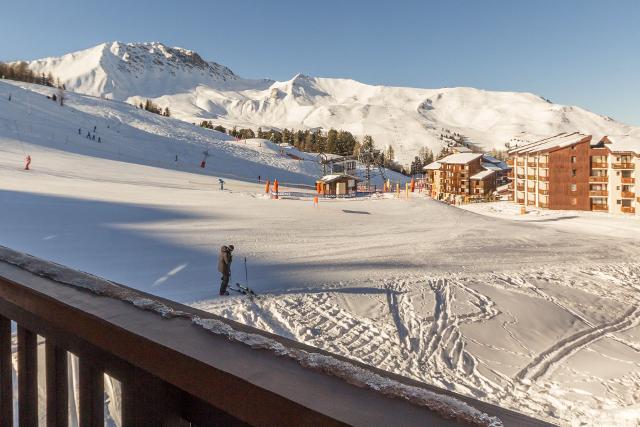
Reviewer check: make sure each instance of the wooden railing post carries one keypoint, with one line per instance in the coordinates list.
(27, 378)
(57, 386)
(147, 400)
(6, 382)
(91, 395)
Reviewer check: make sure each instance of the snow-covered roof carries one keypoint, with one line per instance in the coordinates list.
(490, 162)
(432, 166)
(624, 144)
(560, 140)
(482, 174)
(337, 176)
(461, 149)
(460, 158)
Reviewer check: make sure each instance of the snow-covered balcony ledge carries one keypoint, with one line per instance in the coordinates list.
(178, 365)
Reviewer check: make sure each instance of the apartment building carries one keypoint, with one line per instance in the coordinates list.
(571, 171)
(459, 177)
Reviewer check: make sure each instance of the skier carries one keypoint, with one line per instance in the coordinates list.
(224, 267)
(94, 129)
(9, 97)
(99, 140)
(79, 131)
(88, 135)
(259, 178)
(221, 183)
(94, 137)
(28, 162)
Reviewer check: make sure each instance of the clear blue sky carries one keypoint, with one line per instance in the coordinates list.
(579, 52)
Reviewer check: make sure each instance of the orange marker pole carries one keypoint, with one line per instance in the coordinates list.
(267, 187)
(315, 201)
(275, 187)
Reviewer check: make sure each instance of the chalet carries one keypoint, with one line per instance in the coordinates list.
(338, 185)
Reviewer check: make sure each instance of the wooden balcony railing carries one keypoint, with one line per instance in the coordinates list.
(179, 366)
(521, 176)
(628, 209)
(544, 178)
(543, 192)
(598, 193)
(543, 165)
(598, 165)
(623, 165)
(601, 178)
(600, 208)
(628, 180)
(520, 201)
(531, 177)
(627, 194)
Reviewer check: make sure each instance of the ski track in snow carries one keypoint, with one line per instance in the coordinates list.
(430, 346)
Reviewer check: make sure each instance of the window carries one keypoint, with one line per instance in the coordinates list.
(573, 172)
(574, 187)
(574, 201)
(618, 202)
(573, 159)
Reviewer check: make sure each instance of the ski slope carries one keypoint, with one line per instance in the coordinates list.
(539, 316)
(405, 118)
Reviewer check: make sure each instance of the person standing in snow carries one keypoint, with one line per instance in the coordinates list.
(99, 140)
(27, 162)
(79, 131)
(94, 128)
(221, 183)
(224, 267)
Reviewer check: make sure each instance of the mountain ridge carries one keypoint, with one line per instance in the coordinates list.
(404, 118)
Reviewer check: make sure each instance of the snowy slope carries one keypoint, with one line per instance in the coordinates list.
(133, 135)
(405, 118)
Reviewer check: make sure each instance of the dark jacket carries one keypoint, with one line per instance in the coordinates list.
(224, 261)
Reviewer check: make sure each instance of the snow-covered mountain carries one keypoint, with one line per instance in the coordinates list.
(405, 118)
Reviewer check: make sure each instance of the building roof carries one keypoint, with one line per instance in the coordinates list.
(461, 149)
(460, 158)
(560, 140)
(491, 162)
(623, 143)
(432, 166)
(482, 174)
(336, 177)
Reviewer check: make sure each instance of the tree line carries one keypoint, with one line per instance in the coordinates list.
(148, 105)
(20, 71)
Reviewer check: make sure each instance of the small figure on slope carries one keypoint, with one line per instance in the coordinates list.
(27, 162)
(221, 182)
(224, 267)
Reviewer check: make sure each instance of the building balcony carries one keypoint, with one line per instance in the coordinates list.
(623, 165)
(628, 180)
(628, 209)
(532, 164)
(543, 165)
(531, 203)
(510, 161)
(598, 165)
(520, 187)
(543, 178)
(531, 177)
(598, 193)
(521, 201)
(543, 192)
(520, 163)
(601, 178)
(600, 208)
(627, 194)
(520, 176)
